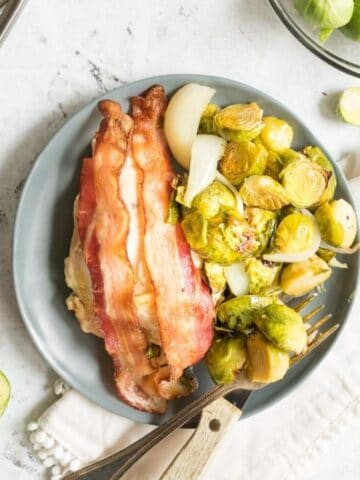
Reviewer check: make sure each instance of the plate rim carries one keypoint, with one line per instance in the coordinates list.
(51, 361)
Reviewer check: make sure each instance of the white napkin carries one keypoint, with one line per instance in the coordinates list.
(280, 444)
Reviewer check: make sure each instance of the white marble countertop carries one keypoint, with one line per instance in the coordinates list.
(62, 54)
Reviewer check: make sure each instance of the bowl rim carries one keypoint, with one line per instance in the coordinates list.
(330, 58)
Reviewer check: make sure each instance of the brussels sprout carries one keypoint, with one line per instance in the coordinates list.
(277, 134)
(274, 165)
(207, 124)
(315, 154)
(283, 326)
(241, 160)
(297, 279)
(266, 363)
(263, 192)
(238, 313)
(263, 275)
(239, 122)
(173, 210)
(289, 155)
(225, 239)
(263, 223)
(210, 200)
(304, 182)
(325, 254)
(216, 278)
(226, 358)
(295, 234)
(326, 14)
(352, 29)
(337, 223)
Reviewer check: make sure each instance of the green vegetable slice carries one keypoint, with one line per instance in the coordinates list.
(349, 106)
(5, 391)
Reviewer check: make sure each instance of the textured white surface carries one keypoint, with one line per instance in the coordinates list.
(61, 55)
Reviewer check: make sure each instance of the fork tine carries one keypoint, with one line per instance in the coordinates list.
(305, 302)
(318, 324)
(313, 312)
(319, 340)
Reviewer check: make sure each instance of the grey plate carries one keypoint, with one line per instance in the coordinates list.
(41, 241)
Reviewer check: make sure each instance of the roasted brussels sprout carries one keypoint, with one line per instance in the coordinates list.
(173, 211)
(262, 275)
(283, 326)
(224, 239)
(274, 165)
(239, 122)
(241, 160)
(337, 223)
(277, 134)
(263, 192)
(352, 29)
(238, 313)
(263, 223)
(326, 14)
(289, 155)
(210, 200)
(315, 154)
(216, 278)
(266, 363)
(297, 279)
(226, 357)
(304, 182)
(207, 124)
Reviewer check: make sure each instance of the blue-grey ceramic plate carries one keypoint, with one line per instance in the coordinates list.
(41, 242)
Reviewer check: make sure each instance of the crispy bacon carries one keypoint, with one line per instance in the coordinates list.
(184, 307)
(103, 226)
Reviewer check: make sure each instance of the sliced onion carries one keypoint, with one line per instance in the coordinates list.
(237, 279)
(298, 257)
(227, 183)
(334, 262)
(205, 154)
(182, 118)
(343, 251)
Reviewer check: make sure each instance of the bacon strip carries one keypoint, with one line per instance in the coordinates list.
(103, 225)
(184, 306)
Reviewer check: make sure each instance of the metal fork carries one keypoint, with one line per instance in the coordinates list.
(114, 466)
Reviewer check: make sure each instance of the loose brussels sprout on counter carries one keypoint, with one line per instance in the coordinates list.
(300, 278)
(262, 275)
(337, 223)
(214, 197)
(304, 182)
(207, 124)
(239, 122)
(277, 135)
(215, 276)
(315, 154)
(224, 239)
(226, 357)
(266, 363)
(238, 313)
(283, 326)
(263, 192)
(241, 160)
(263, 223)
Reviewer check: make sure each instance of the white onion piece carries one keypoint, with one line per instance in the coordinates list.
(227, 183)
(343, 251)
(298, 257)
(182, 118)
(237, 279)
(334, 262)
(205, 154)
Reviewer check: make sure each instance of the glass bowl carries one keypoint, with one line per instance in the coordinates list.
(338, 51)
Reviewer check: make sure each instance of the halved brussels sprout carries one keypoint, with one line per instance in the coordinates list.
(263, 275)
(304, 182)
(315, 154)
(283, 326)
(289, 155)
(297, 279)
(216, 278)
(238, 313)
(337, 223)
(225, 239)
(239, 122)
(207, 124)
(210, 200)
(263, 223)
(277, 135)
(266, 363)
(263, 192)
(241, 160)
(274, 165)
(226, 357)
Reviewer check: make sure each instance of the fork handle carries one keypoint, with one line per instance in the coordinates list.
(115, 465)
